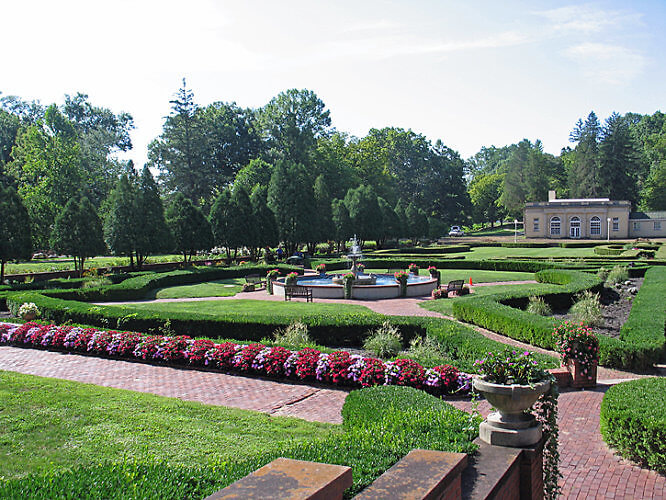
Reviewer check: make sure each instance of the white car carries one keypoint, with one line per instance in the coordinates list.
(456, 231)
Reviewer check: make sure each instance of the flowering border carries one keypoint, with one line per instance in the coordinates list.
(336, 368)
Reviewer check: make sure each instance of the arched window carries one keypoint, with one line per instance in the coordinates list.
(574, 227)
(595, 226)
(555, 226)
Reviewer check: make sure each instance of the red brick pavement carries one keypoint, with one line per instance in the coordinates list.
(268, 396)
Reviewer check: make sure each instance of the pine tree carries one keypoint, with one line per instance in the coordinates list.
(191, 230)
(619, 161)
(342, 223)
(584, 173)
(265, 234)
(122, 223)
(324, 227)
(16, 240)
(152, 234)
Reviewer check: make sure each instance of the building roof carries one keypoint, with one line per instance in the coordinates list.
(647, 215)
(583, 202)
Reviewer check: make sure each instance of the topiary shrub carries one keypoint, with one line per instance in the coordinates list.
(633, 420)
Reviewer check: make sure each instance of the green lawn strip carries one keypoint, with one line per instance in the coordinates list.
(217, 288)
(503, 252)
(445, 306)
(633, 420)
(48, 423)
(381, 425)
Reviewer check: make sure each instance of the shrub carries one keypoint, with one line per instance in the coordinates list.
(618, 274)
(587, 309)
(295, 336)
(602, 273)
(385, 341)
(96, 282)
(426, 350)
(633, 420)
(539, 306)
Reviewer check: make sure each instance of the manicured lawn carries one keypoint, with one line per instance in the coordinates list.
(64, 264)
(445, 306)
(495, 231)
(256, 309)
(477, 275)
(218, 288)
(479, 253)
(48, 424)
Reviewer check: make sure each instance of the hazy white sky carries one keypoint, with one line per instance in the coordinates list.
(470, 73)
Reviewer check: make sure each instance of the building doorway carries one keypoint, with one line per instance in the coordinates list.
(574, 227)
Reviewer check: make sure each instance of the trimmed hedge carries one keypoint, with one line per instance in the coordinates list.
(426, 250)
(382, 424)
(633, 420)
(608, 250)
(502, 313)
(638, 347)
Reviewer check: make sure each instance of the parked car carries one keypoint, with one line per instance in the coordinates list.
(456, 231)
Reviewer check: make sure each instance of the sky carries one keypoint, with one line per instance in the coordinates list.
(473, 73)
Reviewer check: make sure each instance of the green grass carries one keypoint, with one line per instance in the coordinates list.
(48, 424)
(217, 288)
(65, 264)
(503, 252)
(254, 309)
(495, 231)
(445, 306)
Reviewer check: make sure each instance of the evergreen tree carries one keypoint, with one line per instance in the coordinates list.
(121, 225)
(265, 233)
(341, 222)
(232, 220)
(364, 212)
(653, 195)
(583, 175)
(417, 223)
(78, 232)
(324, 227)
(191, 230)
(402, 218)
(16, 240)
(390, 225)
(619, 162)
(152, 234)
(291, 198)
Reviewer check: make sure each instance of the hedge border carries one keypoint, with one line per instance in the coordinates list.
(633, 420)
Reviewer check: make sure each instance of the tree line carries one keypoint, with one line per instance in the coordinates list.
(237, 177)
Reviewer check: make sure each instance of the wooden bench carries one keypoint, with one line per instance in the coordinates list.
(297, 291)
(255, 279)
(455, 286)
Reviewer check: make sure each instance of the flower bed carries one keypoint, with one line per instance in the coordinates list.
(337, 368)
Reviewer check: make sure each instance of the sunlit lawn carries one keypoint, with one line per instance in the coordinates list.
(217, 288)
(258, 310)
(45, 265)
(47, 424)
(477, 275)
(479, 253)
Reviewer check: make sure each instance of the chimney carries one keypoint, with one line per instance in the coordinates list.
(551, 195)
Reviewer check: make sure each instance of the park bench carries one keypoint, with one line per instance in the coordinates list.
(255, 279)
(455, 286)
(297, 291)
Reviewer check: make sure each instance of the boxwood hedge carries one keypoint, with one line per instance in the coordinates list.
(641, 342)
(633, 420)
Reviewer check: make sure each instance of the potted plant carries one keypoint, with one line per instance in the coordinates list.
(347, 283)
(413, 268)
(321, 268)
(579, 348)
(28, 311)
(512, 382)
(290, 280)
(435, 274)
(360, 267)
(401, 278)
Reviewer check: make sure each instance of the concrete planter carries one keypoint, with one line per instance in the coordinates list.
(511, 425)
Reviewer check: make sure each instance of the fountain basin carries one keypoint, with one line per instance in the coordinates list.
(384, 287)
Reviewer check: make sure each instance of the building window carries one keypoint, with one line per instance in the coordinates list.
(555, 226)
(637, 226)
(595, 225)
(657, 225)
(536, 225)
(616, 223)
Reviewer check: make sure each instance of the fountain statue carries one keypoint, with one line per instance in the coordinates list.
(354, 254)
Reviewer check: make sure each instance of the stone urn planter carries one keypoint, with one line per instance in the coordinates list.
(28, 316)
(511, 425)
(580, 377)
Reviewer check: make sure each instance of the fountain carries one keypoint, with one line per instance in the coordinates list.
(364, 286)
